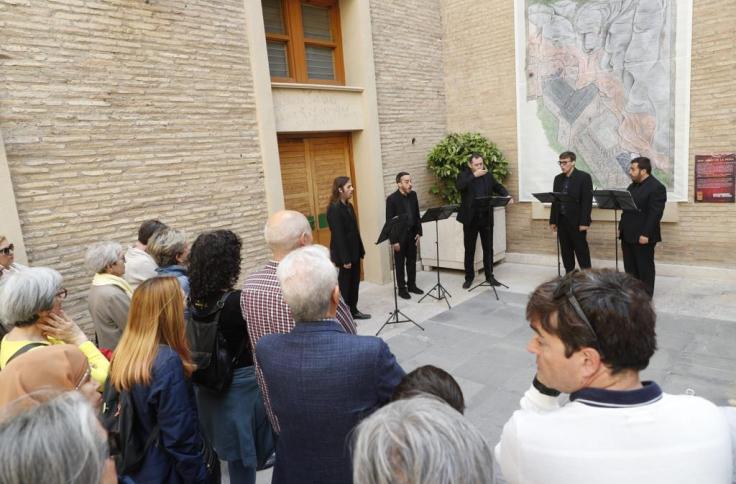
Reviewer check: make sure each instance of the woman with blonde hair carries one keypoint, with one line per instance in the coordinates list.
(152, 363)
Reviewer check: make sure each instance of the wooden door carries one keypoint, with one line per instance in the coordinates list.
(309, 164)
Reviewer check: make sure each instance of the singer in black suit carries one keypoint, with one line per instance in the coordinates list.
(639, 231)
(476, 181)
(404, 201)
(571, 220)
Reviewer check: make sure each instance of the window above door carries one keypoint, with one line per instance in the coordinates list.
(303, 41)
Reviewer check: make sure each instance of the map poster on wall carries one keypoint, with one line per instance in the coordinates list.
(715, 178)
(608, 80)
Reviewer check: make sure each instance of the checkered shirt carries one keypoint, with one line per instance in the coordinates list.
(265, 312)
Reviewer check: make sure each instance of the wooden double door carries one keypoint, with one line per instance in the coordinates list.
(309, 164)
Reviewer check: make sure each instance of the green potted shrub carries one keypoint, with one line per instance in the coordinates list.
(450, 156)
(446, 160)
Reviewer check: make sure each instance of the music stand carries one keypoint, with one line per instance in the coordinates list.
(390, 229)
(489, 203)
(552, 197)
(435, 214)
(615, 200)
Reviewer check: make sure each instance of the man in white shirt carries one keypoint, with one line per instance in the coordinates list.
(594, 331)
(139, 265)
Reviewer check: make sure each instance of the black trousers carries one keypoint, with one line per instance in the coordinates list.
(406, 257)
(349, 282)
(573, 243)
(639, 262)
(470, 236)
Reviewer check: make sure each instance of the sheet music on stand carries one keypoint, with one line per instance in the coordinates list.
(552, 197)
(615, 199)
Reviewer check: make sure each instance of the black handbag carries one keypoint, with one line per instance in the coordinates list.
(209, 349)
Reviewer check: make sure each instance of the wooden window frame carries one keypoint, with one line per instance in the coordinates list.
(296, 42)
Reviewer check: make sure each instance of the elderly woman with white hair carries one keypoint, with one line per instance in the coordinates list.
(170, 249)
(109, 296)
(57, 442)
(420, 440)
(30, 303)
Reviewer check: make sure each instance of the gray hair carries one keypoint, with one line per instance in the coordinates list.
(102, 254)
(25, 293)
(307, 278)
(420, 440)
(165, 244)
(284, 229)
(57, 442)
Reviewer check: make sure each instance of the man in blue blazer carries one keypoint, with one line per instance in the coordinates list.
(322, 381)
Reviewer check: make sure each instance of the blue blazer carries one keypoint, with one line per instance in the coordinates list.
(322, 382)
(169, 400)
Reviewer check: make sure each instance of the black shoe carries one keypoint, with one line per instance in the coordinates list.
(415, 290)
(358, 315)
(492, 281)
(467, 284)
(403, 293)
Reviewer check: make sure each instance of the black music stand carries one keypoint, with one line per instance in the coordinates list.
(391, 228)
(552, 197)
(489, 203)
(436, 214)
(615, 200)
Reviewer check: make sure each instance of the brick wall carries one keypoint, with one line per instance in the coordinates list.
(479, 60)
(118, 111)
(407, 47)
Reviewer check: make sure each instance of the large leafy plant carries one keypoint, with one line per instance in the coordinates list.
(450, 156)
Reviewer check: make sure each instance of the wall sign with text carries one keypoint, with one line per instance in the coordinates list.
(715, 178)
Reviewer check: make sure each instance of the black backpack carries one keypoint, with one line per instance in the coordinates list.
(209, 349)
(118, 417)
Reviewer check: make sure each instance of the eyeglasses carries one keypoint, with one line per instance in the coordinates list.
(62, 293)
(563, 162)
(8, 250)
(565, 289)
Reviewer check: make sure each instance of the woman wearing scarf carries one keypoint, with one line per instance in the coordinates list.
(109, 296)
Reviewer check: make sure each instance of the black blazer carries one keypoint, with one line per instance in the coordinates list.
(650, 197)
(346, 246)
(581, 189)
(395, 205)
(466, 213)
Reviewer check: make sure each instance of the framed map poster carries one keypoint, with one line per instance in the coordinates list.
(608, 80)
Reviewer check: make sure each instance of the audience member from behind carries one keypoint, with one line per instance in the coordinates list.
(594, 331)
(57, 442)
(109, 296)
(30, 302)
(139, 265)
(7, 258)
(262, 302)
(322, 380)
(234, 420)
(420, 440)
(170, 249)
(31, 377)
(430, 380)
(152, 362)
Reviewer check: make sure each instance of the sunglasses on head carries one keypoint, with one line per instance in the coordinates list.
(8, 250)
(565, 289)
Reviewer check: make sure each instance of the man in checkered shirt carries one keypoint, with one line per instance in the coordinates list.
(261, 301)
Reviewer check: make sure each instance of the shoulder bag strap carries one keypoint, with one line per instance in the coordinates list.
(25, 349)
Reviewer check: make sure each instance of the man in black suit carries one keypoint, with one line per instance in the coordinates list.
(476, 181)
(571, 220)
(639, 230)
(404, 201)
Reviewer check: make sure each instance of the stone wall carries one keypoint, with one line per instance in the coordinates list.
(479, 61)
(407, 46)
(114, 112)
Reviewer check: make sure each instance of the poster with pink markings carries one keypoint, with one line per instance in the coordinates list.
(608, 80)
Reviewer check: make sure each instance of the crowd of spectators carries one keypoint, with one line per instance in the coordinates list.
(289, 383)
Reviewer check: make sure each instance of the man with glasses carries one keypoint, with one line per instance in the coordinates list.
(571, 220)
(594, 331)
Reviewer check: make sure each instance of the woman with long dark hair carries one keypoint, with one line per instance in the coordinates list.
(153, 363)
(235, 418)
(346, 247)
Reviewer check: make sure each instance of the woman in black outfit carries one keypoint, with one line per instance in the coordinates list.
(235, 419)
(346, 248)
